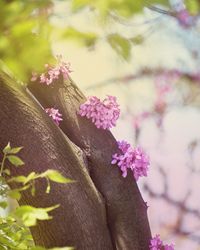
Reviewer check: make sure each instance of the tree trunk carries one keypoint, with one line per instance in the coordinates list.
(126, 211)
(80, 220)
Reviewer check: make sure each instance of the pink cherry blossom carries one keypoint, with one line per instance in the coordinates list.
(54, 114)
(157, 244)
(103, 114)
(185, 19)
(34, 76)
(168, 247)
(134, 159)
(53, 73)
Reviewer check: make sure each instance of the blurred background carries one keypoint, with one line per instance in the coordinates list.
(147, 53)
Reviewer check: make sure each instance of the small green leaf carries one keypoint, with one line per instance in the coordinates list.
(3, 204)
(55, 176)
(193, 6)
(6, 171)
(48, 186)
(121, 45)
(20, 179)
(79, 4)
(23, 179)
(15, 194)
(33, 190)
(15, 150)
(15, 160)
(7, 148)
(137, 39)
(30, 177)
(49, 209)
(29, 215)
(87, 39)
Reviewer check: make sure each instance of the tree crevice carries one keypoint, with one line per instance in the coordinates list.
(80, 220)
(126, 214)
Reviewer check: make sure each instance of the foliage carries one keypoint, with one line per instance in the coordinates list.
(193, 6)
(124, 8)
(27, 30)
(14, 232)
(87, 39)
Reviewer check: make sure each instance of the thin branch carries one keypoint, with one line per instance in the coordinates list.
(161, 11)
(179, 204)
(144, 73)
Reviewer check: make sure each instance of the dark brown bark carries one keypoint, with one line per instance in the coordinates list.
(80, 220)
(126, 211)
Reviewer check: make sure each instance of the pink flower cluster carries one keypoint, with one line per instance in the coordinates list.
(54, 114)
(185, 19)
(157, 244)
(53, 73)
(103, 114)
(134, 159)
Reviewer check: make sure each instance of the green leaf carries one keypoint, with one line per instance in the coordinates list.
(20, 179)
(33, 190)
(30, 177)
(77, 5)
(55, 176)
(15, 160)
(193, 6)
(137, 39)
(48, 186)
(15, 194)
(29, 215)
(23, 179)
(15, 150)
(6, 171)
(121, 45)
(84, 38)
(123, 8)
(3, 204)
(6, 241)
(7, 148)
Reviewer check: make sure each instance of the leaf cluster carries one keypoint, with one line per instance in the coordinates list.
(14, 227)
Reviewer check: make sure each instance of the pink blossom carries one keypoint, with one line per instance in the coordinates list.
(103, 114)
(184, 18)
(54, 114)
(134, 159)
(157, 244)
(53, 73)
(123, 146)
(168, 247)
(34, 76)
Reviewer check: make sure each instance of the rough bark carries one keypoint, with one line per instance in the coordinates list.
(80, 220)
(126, 210)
